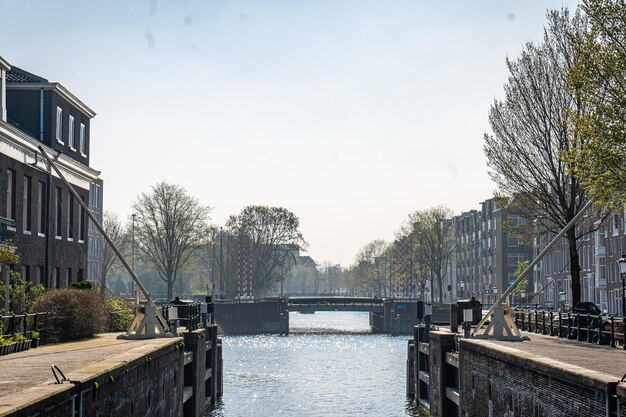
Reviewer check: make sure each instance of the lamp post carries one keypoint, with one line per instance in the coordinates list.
(134, 290)
(622, 274)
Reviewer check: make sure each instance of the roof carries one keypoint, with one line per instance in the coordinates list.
(18, 75)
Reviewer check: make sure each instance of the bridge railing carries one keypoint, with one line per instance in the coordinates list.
(598, 329)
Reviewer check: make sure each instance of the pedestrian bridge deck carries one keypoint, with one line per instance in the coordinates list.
(313, 304)
(602, 359)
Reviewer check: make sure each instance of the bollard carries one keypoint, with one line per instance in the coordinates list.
(454, 319)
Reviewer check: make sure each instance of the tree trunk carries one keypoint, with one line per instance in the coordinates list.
(170, 289)
(574, 266)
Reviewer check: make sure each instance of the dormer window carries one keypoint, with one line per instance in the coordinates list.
(83, 141)
(59, 126)
(70, 134)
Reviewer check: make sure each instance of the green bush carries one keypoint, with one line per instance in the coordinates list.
(121, 314)
(72, 314)
(82, 285)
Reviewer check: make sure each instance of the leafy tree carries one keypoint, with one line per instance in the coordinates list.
(597, 80)
(531, 131)
(523, 284)
(270, 235)
(169, 227)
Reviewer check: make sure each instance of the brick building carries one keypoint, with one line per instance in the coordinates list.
(38, 215)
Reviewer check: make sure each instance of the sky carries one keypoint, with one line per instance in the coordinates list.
(351, 114)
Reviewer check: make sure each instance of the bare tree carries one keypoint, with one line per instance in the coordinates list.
(434, 243)
(369, 270)
(170, 226)
(114, 229)
(531, 132)
(271, 236)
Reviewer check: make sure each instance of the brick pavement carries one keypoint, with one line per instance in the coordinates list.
(28, 369)
(603, 359)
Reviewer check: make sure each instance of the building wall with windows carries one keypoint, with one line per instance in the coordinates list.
(95, 240)
(38, 215)
(486, 255)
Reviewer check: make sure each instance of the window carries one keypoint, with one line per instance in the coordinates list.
(26, 273)
(58, 213)
(513, 241)
(41, 208)
(602, 267)
(56, 279)
(69, 277)
(59, 126)
(81, 223)
(83, 140)
(70, 217)
(515, 258)
(39, 277)
(70, 133)
(10, 194)
(26, 205)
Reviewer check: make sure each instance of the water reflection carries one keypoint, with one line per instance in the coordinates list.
(329, 366)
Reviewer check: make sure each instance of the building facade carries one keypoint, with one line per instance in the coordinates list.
(38, 215)
(486, 254)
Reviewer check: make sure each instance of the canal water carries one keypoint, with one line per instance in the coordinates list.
(330, 365)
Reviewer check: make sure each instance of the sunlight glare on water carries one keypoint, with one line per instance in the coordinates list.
(328, 366)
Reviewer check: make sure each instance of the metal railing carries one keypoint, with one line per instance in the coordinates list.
(23, 324)
(188, 313)
(598, 329)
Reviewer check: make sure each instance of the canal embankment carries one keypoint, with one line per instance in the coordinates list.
(177, 376)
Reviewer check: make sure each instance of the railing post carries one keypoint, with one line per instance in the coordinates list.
(523, 314)
(589, 338)
(569, 326)
(535, 320)
(578, 336)
(543, 322)
(12, 325)
(560, 325)
(612, 341)
(551, 316)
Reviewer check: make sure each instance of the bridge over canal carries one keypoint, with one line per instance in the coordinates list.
(393, 316)
(316, 303)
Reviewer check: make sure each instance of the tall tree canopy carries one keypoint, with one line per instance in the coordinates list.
(271, 236)
(598, 80)
(531, 131)
(170, 226)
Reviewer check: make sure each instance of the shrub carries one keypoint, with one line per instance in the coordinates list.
(34, 335)
(72, 314)
(121, 314)
(82, 285)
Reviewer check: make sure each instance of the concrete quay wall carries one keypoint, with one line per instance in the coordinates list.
(171, 378)
(472, 377)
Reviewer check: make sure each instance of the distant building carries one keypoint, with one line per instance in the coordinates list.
(486, 255)
(38, 215)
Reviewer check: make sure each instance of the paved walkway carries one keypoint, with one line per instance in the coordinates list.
(24, 370)
(603, 359)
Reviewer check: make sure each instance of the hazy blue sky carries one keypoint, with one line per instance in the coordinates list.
(349, 113)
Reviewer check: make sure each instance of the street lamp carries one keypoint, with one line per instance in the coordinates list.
(134, 290)
(622, 273)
